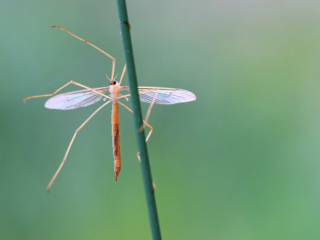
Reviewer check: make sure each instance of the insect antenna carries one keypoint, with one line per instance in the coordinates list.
(108, 77)
(113, 79)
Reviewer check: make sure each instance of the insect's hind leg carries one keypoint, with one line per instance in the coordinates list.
(145, 121)
(70, 144)
(149, 110)
(67, 84)
(148, 137)
(144, 124)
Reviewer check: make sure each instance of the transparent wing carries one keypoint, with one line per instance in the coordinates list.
(76, 99)
(166, 96)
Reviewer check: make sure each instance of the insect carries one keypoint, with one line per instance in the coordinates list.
(89, 96)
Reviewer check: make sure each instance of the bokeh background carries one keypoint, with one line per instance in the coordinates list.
(241, 162)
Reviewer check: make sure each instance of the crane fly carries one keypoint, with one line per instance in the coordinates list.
(89, 96)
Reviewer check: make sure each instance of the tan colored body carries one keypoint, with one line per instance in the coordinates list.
(116, 138)
(115, 91)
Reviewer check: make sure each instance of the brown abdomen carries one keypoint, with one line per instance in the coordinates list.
(116, 139)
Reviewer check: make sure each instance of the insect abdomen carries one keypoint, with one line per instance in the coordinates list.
(116, 139)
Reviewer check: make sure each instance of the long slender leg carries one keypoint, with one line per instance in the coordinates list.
(151, 130)
(72, 140)
(147, 124)
(67, 84)
(123, 71)
(147, 118)
(144, 122)
(100, 50)
(149, 110)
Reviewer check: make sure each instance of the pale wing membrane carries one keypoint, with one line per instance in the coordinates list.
(166, 96)
(76, 99)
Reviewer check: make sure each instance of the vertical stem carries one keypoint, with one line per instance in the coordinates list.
(142, 147)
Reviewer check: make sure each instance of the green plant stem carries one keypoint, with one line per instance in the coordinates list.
(138, 121)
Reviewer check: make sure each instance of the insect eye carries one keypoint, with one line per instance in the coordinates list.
(113, 83)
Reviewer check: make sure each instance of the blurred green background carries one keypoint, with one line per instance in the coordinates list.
(241, 162)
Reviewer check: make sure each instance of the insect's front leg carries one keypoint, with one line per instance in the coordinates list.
(94, 46)
(67, 84)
